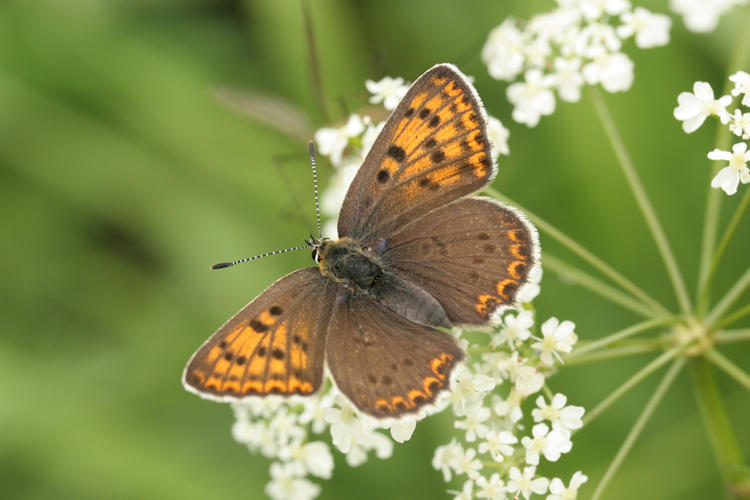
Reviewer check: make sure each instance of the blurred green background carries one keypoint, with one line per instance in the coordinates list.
(123, 177)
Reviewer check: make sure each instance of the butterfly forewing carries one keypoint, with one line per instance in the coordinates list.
(385, 364)
(432, 150)
(274, 345)
(472, 255)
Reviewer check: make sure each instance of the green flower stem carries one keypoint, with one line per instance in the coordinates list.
(713, 199)
(729, 336)
(586, 280)
(642, 374)
(619, 335)
(733, 294)
(612, 353)
(715, 421)
(719, 253)
(731, 318)
(585, 254)
(642, 199)
(726, 365)
(638, 426)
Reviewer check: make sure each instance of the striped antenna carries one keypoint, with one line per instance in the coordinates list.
(313, 243)
(222, 265)
(311, 148)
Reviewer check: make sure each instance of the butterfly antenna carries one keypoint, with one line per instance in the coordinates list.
(311, 147)
(222, 265)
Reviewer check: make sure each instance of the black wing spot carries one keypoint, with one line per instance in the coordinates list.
(262, 351)
(277, 354)
(409, 112)
(387, 380)
(434, 121)
(241, 360)
(276, 311)
(258, 326)
(296, 339)
(431, 143)
(223, 344)
(437, 156)
(483, 236)
(397, 153)
(228, 356)
(423, 114)
(383, 176)
(372, 378)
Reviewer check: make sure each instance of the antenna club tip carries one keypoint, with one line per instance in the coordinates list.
(219, 265)
(311, 147)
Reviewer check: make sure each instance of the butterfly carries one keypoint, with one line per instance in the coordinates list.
(415, 253)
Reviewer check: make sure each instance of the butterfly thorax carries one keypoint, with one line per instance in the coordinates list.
(346, 261)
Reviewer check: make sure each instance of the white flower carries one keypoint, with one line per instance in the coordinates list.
(558, 338)
(492, 488)
(517, 328)
(446, 457)
(314, 457)
(651, 30)
(346, 428)
(549, 443)
(694, 108)
(380, 443)
(389, 91)
(596, 40)
(560, 416)
(402, 429)
(469, 390)
(333, 141)
(314, 412)
(510, 407)
(466, 493)
(740, 124)
(498, 444)
(729, 177)
(613, 71)
(701, 16)
(530, 291)
(568, 78)
(498, 135)
(285, 426)
(503, 51)
(467, 464)
(474, 424)
(528, 381)
(286, 483)
(525, 484)
(741, 82)
(532, 98)
(560, 492)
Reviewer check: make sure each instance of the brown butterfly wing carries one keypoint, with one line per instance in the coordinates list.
(432, 150)
(385, 364)
(274, 345)
(472, 255)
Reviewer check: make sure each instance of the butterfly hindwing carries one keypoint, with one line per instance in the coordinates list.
(472, 255)
(432, 150)
(274, 345)
(385, 364)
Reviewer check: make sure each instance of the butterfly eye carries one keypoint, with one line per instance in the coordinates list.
(315, 256)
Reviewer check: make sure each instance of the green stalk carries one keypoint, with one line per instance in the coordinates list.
(719, 253)
(618, 335)
(725, 365)
(713, 200)
(733, 294)
(731, 318)
(638, 377)
(586, 280)
(584, 254)
(729, 336)
(644, 204)
(638, 426)
(716, 423)
(613, 353)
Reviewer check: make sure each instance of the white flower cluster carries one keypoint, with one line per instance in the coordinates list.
(283, 430)
(702, 16)
(495, 453)
(693, 109)
(578, 43)
(346, 146)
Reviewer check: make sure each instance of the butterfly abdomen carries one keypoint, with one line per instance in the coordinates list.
(345, 261)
